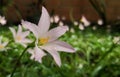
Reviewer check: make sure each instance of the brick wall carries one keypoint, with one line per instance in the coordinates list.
(113, 9)
(83, 7)
(64, 8)
(77, 7)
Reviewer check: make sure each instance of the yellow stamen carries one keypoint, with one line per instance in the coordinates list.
(43, 40)
(18, 38)
(1, 46)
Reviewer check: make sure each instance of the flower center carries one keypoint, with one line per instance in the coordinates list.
(1, 46)
(18, 38)
(42, 41)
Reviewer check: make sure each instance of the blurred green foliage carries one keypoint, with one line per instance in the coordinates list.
(4, 5)
(96, 56)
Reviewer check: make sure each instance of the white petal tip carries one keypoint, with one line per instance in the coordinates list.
(59, 65)
(71, 50)
(65, 28)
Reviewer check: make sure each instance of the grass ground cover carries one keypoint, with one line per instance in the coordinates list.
(96, 55)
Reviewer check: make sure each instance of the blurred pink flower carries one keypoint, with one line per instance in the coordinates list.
(3, 21)
(2, 44)
(85, 21)
(20, 36)
(100, 22)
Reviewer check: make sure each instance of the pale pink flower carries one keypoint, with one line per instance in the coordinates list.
(100, 22)
(81, 27)
(61, 23)
(2, 44)
(56, 18)
(20, 36)
(75, 23)
(47, 39)
(3, 21)
(116, 40)
(94, 27)
(85, 21)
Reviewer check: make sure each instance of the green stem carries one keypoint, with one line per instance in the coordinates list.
(18, 61)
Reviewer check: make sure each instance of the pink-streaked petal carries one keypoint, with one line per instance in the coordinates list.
(62, 46)
(56, 32)
(26, 40)
(54, 54)
(30, 26)
(25, 34)
(36, 54)
(44, 22)
(19, 30)
(13, 31)
(32, 52)
(39, 54)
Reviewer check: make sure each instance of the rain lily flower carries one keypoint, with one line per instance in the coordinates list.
(2, 20)
(75, 23)
(116, 40)
(20, 36)
(2, 44)
(56, 18)
(100, 22)
(81, 27)
(85, 21)
(47, 39)
(94, 27)
(72, 30)
(61, 23)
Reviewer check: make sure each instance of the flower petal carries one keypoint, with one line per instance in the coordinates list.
(5, 43)
(85, 21)
(54, 54)
(19, 30)
(3, 20)
(36, 54)
(13, 31)
(44, 22)
(62, 46)
(31, 51)
(24, 34)
(56, 32)
(25, 40)
(32, 27)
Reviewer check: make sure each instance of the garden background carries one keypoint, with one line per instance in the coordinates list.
(63, 8)
(94, 33)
